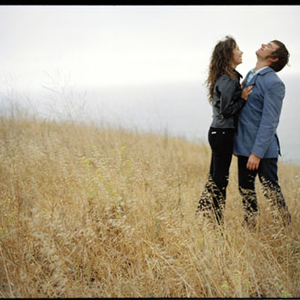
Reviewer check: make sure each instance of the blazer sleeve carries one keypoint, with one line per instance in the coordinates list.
(229, 103)
(270, 118)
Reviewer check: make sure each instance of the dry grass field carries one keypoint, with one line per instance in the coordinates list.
(91, 212)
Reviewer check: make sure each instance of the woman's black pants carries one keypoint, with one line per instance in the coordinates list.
(214, 194)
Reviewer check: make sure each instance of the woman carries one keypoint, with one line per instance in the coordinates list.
(227, 99)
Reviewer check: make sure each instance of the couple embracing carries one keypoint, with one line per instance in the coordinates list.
(245, 119)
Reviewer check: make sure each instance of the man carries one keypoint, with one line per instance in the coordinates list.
(256, 143)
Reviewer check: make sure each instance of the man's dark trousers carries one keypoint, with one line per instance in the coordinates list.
(267, 173)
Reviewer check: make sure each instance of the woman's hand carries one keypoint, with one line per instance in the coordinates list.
(246, 92)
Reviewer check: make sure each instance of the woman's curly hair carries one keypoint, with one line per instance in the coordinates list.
(220, 63)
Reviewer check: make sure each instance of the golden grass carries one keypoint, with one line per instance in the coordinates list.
(91, 212)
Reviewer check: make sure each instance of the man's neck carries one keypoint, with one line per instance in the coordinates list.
(260, 64)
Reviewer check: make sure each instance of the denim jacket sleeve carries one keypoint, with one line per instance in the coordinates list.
(229, 92)
(270, 118)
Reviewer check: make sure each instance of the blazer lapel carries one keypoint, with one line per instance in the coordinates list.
(253, 80)
(264, 71)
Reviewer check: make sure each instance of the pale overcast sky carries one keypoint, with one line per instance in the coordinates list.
(107, 45)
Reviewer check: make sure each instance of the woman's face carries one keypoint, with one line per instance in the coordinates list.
(236, 56)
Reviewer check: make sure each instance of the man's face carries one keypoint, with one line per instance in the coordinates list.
(266, 50)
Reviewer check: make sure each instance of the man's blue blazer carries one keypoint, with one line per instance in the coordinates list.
(259, 118)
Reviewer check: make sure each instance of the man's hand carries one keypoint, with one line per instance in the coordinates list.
(253, 162)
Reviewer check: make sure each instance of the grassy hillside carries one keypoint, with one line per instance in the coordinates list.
(89, 212)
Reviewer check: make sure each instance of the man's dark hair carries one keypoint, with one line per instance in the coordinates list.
(283, 56)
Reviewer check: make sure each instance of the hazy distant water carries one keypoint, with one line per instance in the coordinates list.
(179, 109)
(175, 109)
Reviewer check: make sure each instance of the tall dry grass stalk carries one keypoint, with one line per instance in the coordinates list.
(89, 212)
